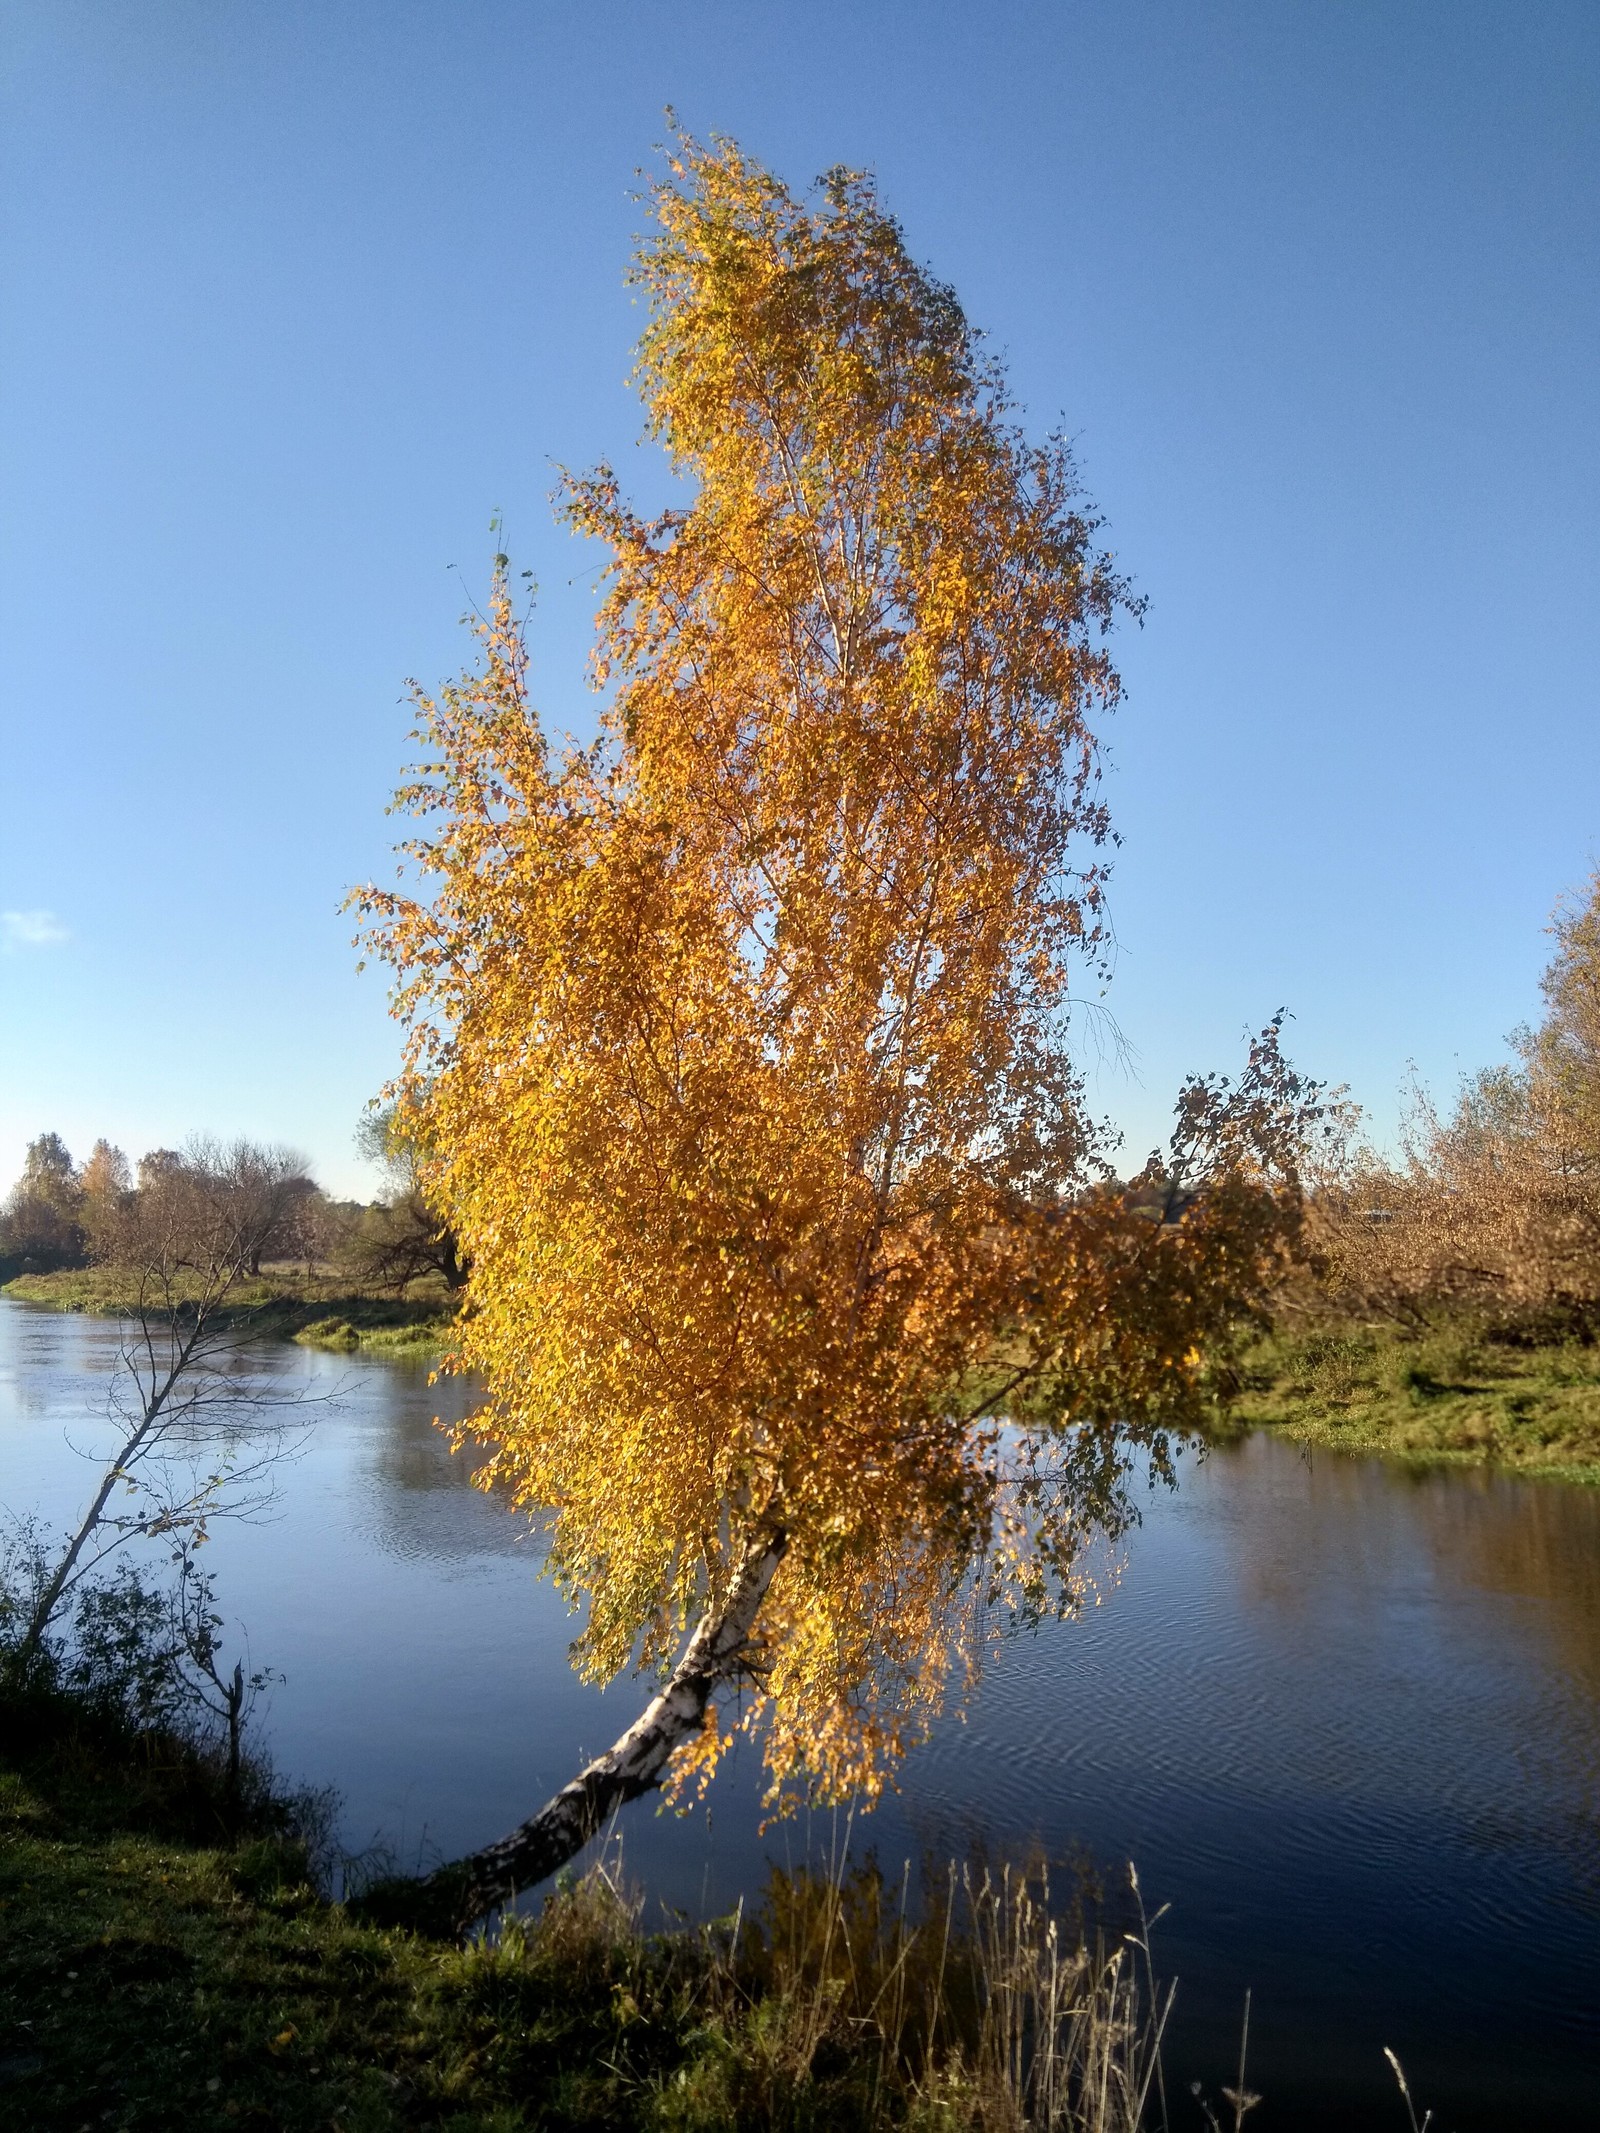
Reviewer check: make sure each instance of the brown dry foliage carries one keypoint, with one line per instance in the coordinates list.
(1497, 1202)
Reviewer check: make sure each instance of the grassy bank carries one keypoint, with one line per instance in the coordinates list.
(1459, 1392)
(319, 1310)
(160, 1969)
(165, 1960)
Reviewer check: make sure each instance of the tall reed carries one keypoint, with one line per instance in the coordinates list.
(839, 2002)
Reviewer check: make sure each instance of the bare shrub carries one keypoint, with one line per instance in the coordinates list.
(197, 1433)
(1494, 1204)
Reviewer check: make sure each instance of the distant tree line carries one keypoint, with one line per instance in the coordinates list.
(1493, 1203)
(61, 1214)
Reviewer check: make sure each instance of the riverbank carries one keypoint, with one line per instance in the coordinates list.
(283, 1303)
(157, 1970)
(166, 1960)
(1452, 1394)
(1246, 1662)
(1455, 1393)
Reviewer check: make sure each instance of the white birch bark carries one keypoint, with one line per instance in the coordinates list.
(484, 1880)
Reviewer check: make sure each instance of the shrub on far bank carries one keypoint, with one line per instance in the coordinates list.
(1491, 1209)
(1450, 1385)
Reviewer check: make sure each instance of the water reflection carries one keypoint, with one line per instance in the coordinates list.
(1530, 1546)
(1483, 1579)
(414, 1456)
(1347, 1720)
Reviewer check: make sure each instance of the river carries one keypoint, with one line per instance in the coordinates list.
(1344, 1718)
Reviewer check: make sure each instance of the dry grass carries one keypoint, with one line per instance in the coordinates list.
(836, 2005)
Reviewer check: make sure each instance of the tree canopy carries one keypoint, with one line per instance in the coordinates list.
(738, 1040)
(41, 1222)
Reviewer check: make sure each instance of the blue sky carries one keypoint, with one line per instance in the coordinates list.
(296, 296)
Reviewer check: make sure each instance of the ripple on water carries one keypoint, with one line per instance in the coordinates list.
(1346, 1721)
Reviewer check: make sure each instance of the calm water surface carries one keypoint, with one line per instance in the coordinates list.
(1345, 1720)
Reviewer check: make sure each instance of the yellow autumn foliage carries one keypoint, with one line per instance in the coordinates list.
(739, 1039)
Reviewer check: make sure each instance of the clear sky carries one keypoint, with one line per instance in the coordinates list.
(293, 297)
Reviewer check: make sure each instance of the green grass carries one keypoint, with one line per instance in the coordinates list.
(1453, 1392)
(158, 1970)
(165, 1961)
(350, 1328)
(321, 1311)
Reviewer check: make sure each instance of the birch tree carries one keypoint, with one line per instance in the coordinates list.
(812, 1319)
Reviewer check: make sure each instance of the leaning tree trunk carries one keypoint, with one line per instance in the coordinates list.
(453, 1896)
